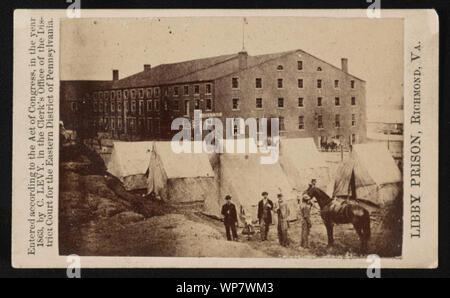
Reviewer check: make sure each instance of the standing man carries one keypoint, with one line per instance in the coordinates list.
(230, 218)
(305, 215)
(265, 207)
(283, 214)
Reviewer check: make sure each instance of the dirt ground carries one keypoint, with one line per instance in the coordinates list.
(97, 217)
(346, 240)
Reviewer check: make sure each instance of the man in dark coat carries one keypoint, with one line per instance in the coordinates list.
(230, 218)
(265, 207)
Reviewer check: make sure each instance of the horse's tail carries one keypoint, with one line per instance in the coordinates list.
(366, 225)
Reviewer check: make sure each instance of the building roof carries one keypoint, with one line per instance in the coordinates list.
(198, 70)
(165, 73)
(229, 67)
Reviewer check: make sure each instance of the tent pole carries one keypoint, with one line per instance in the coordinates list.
(389, 133)
(353, 185)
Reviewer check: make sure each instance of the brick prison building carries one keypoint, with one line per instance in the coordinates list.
(311, 97)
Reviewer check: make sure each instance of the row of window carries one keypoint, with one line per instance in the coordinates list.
(337, 121)
(127, 94)
(301, 122)
(299, 66)
(300, 102)
(149, 92)
(280, 83)
(197, 105)
(151, 105)
(320, 123)
(106, 106)
(152, 125)
(196, 89)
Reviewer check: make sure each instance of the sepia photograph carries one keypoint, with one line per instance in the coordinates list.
(231, 137)
(225, 138)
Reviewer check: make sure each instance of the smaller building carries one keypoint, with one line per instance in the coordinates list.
(386, 126)
(385, 121)
(74, 98)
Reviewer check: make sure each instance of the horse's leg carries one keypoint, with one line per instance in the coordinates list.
(364, 246)
(359, 231)
(331, 241)
(366, 231)
(329, 227)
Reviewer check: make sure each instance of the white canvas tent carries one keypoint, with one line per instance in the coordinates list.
(244, 178)
(369, 174)
(129, 162)
(180, 177)
(301, 162)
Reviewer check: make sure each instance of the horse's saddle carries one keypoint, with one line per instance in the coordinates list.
(337, 203)
(337, 206)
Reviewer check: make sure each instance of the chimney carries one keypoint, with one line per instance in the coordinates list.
(242, 60)
(115, 74)
(147, 67)
(344, 65)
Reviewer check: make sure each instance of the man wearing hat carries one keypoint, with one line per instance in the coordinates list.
(305, 214)
(283, 214)
(230, 218)
(265, 207)
(311, 184)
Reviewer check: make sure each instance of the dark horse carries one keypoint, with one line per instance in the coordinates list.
(338, 211)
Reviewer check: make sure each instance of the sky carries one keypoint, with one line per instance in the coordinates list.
(92, 48)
